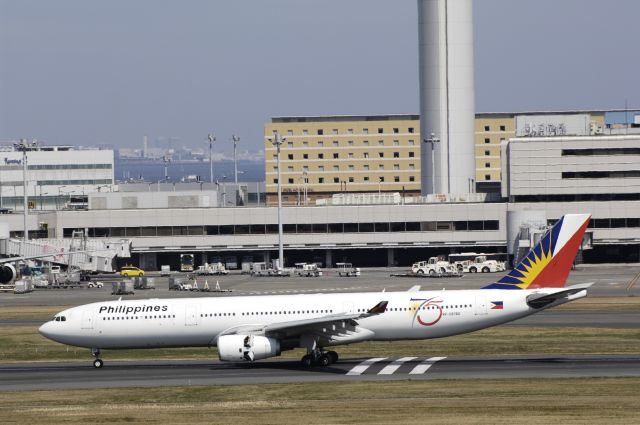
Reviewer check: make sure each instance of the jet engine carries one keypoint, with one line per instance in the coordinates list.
(7, 273)
(233, 348)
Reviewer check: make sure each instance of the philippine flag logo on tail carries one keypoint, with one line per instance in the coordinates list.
(548, 264)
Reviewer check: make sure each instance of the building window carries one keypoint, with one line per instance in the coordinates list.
(336, 168)
(381, 179)
(410, 129)
(411, 143)
(380, 154)
(365, 131)
(290, 144)
(275, 168)
(365, 143)
(503, 128)
(396, 166)
(396, 143)
(396, 131)
(487, 165)
(336, 156)
(320, 156)
(365, 167)
(380, 130)
(290, 132)
(290, 181)
(350, 131)
(412, 166)
(487, 177)
(380, 142)
(350, 155)
(320, 132)
(366, 155)
(380, 166)
(351, 168)
(350, 179)
(289, 168)
(275, 181)
(350, 143)
(305, 144)
(321, 180)
(396, 179)
(487, 153)
(412, 178)
(396, 154)
(411, 154)
(334, 131)
(306, 168)
(336, 180)
(305, 132)
(320, 144)
(365, 178)
(487, 128)
(290, 156)
(305, 156)
(487, 140)
(335, 143)
(321, 168)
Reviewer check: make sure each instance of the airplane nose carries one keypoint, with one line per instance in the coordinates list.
(45, 330)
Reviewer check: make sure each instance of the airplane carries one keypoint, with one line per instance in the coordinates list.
(249, 328)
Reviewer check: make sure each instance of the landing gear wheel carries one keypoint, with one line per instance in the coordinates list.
(324, 360)
(333, 356)
(307, 360)
(97, 363)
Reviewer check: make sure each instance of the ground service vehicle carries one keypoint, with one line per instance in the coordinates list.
(165, 270)
(186, 262)
(249, 328)
(347, 269)
(435, 265)
(308, 270)
(480, 264)
(131, 271)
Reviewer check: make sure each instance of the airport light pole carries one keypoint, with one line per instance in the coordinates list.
(235, 139)
(432, 140)
(277, 142)
(212, 139)
(23, 145)
(305, 176)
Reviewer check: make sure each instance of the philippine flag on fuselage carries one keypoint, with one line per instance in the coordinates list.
(497, 305)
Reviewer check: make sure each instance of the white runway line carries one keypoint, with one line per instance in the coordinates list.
(359, 369)
(394, 365)
(425, 365)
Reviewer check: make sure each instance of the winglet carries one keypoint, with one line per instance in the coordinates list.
(379, 308)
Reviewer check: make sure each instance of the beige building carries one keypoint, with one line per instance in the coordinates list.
(381, 153)
(321, 156)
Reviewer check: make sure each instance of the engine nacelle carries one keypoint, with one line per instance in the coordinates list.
(7, 273)
(234, 348)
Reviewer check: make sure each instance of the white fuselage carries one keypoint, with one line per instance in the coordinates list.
(197, 322)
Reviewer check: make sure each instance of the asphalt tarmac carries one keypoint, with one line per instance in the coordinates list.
(63, 376)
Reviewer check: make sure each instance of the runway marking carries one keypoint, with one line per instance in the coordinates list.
(425, 365)
(394, 365)
(359, 369)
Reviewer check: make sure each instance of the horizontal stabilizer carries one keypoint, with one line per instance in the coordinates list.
(543, 300)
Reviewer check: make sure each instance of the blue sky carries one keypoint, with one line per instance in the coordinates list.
(89, 72)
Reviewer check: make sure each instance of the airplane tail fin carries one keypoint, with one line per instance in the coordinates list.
(548, 264)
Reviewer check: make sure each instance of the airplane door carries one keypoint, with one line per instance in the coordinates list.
(481, 305)
(191, 315)
(87, 320)
(347, 307)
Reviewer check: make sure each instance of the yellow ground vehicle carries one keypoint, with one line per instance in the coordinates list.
(131, 271)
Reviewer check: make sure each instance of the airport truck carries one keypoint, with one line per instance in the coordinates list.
(480, 264)
(308, 270)
(434, 266)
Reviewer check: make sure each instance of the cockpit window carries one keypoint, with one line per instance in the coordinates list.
(59, 318)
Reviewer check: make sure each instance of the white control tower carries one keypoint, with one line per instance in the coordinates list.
(447, 101)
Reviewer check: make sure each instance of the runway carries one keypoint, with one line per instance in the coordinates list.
(61, 376)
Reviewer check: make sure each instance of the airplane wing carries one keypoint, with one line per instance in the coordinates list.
(541, 300)
(333, 326)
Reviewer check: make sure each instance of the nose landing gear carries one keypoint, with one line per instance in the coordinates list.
(97, 363)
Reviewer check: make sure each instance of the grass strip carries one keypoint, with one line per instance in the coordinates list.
(541, 401)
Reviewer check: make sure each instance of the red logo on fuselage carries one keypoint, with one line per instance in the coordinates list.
(428, 312)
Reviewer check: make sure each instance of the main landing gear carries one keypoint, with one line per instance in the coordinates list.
(97, 363)
(319, 358)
